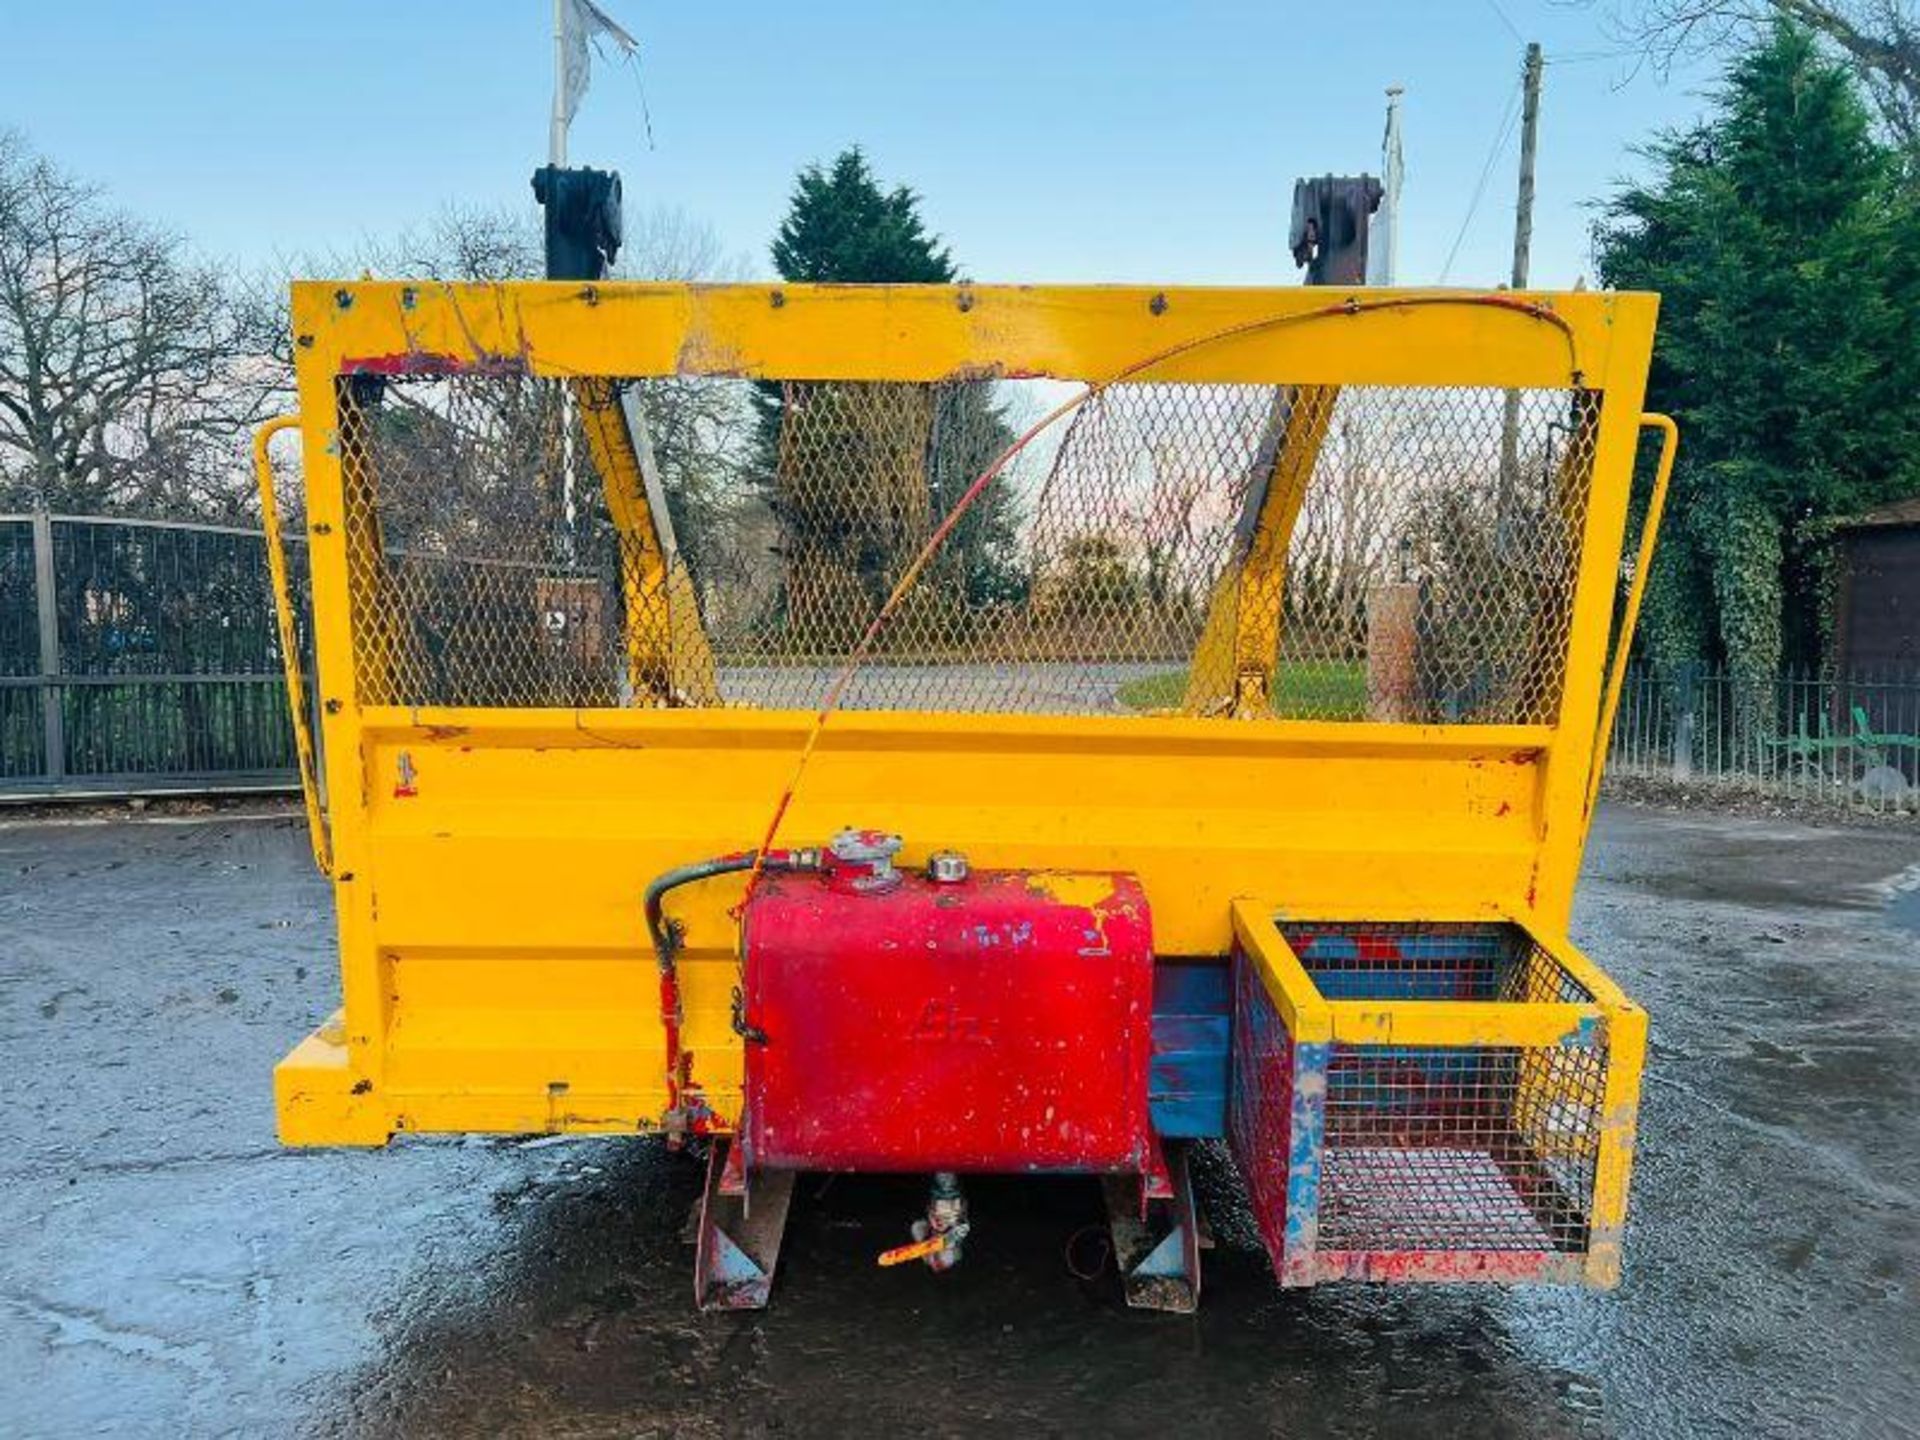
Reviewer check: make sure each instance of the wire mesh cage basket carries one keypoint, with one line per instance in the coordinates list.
(1432, 1101)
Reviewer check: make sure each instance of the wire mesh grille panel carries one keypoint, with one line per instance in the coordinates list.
(1209, 549)
(1431, 1149)
(1261, 1107)
(1421, 960)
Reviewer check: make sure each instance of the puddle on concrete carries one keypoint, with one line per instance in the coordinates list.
(166, 1270)
(1904, 909)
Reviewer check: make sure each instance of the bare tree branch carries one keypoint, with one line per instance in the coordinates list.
(130, 370)
(124, 376)
(1880, 39)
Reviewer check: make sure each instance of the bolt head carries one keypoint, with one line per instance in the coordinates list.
(947, 867)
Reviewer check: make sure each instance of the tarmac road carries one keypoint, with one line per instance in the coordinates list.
(166, 1269)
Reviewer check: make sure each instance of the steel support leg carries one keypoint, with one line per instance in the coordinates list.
(1156, 1235)
(742, 1218)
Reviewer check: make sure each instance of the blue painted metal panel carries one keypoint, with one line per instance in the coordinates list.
(1462, 965)
(1305, 1152)
(1192, 1035)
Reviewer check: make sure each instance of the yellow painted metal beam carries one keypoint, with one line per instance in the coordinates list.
(1235, 664)
(317, 1094)
(1567, 773)
(668, 658)
(1619, 1120)
(1308, 1017)
(932, 332)
(328, 434)
(1464, 1024)
(917, 731)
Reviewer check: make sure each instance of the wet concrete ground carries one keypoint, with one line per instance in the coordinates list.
(165, 1269)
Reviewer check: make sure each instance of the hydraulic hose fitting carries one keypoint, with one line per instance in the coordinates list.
(668, 936)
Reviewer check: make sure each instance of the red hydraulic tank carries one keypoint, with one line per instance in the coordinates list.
(946, 1020)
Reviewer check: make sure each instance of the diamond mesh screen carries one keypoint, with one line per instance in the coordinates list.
(1432, 1149)
(1203, 549)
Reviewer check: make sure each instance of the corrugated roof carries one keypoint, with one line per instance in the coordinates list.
(1900, 512)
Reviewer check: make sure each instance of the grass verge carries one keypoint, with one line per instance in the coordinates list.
(1304, 690)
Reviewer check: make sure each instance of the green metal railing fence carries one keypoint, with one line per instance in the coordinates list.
(142, 655)
(1849, 741)
(138, 655)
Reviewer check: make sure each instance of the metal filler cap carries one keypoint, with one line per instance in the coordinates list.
(947, 867)
(863, 859)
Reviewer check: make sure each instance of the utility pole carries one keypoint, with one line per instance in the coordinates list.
(1522, 264)
(1529, 140)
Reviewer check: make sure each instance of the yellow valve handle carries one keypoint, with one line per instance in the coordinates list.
(289, 639)
(1643, 561)
(918, 1250)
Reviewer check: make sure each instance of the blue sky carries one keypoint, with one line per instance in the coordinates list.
(1051, 141)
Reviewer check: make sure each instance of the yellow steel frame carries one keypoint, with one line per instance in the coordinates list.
(495, 973)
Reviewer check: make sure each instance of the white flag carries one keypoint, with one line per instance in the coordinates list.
(582, 20)
(1383, 248)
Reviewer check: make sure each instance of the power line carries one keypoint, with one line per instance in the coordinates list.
(1506, 20)
(1486, 173)
(1586, 57)
(640, 88)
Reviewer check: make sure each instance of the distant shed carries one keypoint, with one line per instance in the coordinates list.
(1878, 620)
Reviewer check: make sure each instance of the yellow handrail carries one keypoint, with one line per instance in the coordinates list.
(1643, 561)
(289, 639)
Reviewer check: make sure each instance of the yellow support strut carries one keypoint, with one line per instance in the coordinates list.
(668, 659)
(1643, 560)
(1236, 664)
(289, 639)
